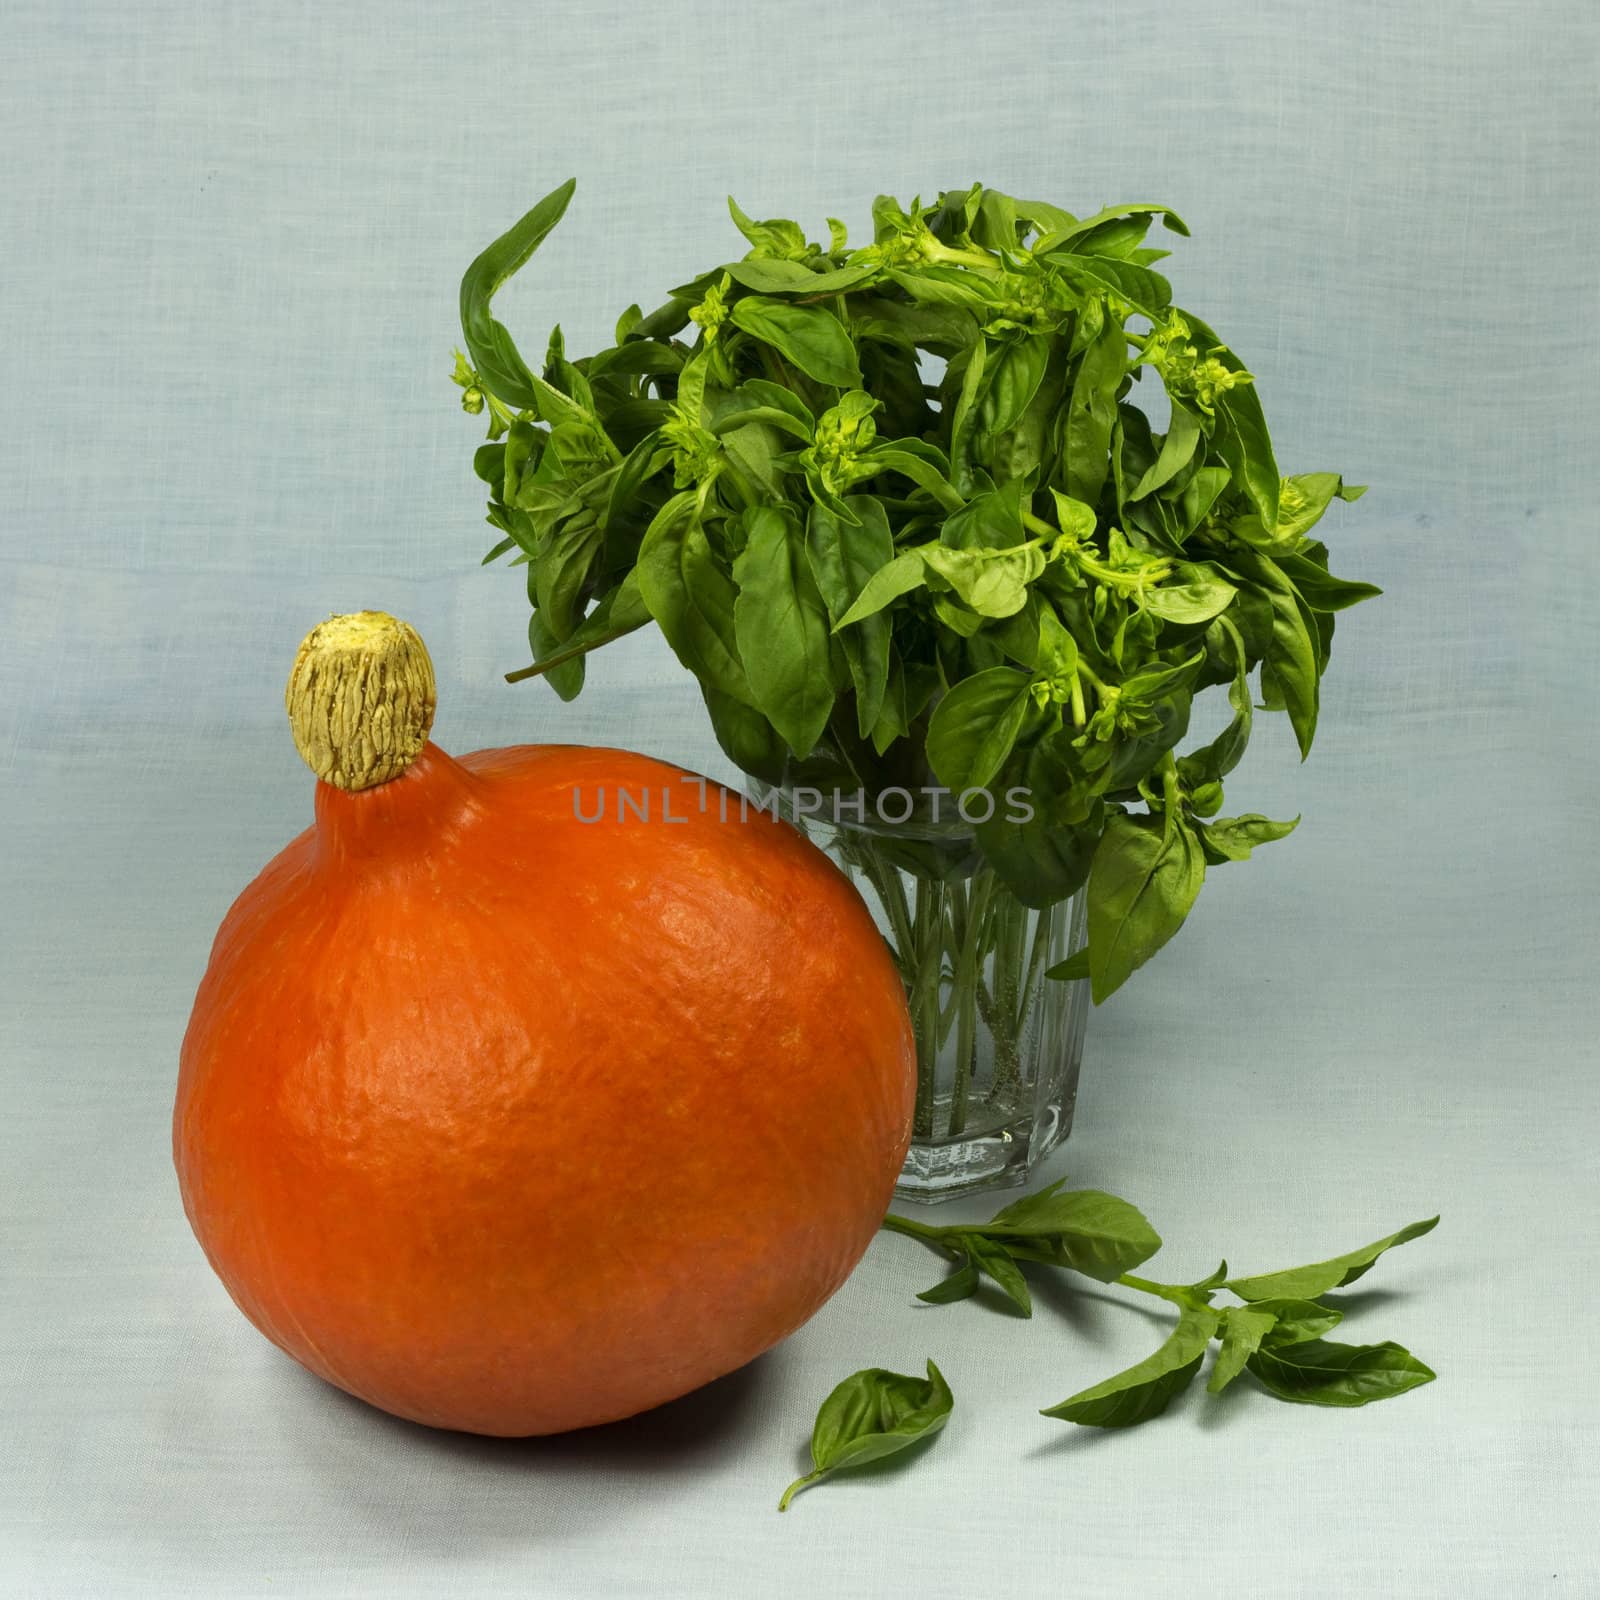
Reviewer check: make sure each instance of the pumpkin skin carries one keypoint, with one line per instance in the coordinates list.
(510, 1122)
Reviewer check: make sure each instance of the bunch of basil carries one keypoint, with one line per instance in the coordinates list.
(893, 508)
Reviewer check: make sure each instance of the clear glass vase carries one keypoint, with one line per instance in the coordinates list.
(998, 1044)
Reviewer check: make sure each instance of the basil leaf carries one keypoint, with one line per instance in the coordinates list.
(1074, 968)
(1177, 450)
(872, 1414)
(1213, 762)
(1233, 838)
(561, 570)
(913, 464)
(745, 736)
(778, 237)
(1142, 883)
(1302, 500)
(963, 420)
(1320, 589)
(1295, 1321)
(494, 353)
(993, 1259)
(774, 397)
(843, 557)
(1290, 669)
(812, 338)
(560, 667)
(1147, 1389)
(1091, 411)
(944, 286)
(636, 358)
(1306, 1283)
(994, 583)
(1119, 236)
(1201, 596)
(781, 627)
(488, 463)
(903, 574)
(1145, 291)
(1199, 495)
(1044, 857)
(1318, 1373)
(1041, 862)
(1243, 1329)
(1066, 232)
(1073, 517)
(642, 463)
(1243, 442)
(974, 727)
(731, 421)
(996, 225)
(754, 448)
(960, 1285)
(940, 328)
(1134, 760)
(1041, 215)
(1085, 1229)
(1018, 372)
(989, 521)
(618, 613)
(1241, 436)
(769, 275)
(692, 598)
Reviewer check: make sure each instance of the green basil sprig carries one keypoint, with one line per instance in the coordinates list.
(1276, 1333)
(898, 508)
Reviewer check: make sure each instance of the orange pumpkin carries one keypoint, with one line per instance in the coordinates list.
(513, 1118)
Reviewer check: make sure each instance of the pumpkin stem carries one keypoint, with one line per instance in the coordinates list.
(360, 699)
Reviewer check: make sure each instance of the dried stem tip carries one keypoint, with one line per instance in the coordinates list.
(360, 699)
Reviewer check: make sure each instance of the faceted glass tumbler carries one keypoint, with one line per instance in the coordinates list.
(998, 1044)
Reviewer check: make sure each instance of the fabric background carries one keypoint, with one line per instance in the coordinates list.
(231, 237)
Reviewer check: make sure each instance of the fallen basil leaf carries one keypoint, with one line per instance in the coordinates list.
(872, 1414)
